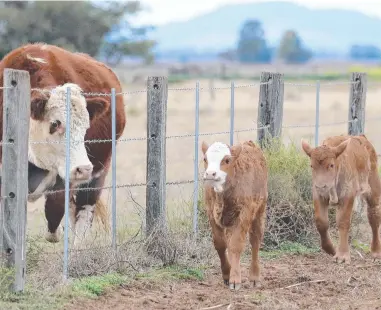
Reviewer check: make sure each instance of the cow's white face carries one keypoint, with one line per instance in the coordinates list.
(51, 127)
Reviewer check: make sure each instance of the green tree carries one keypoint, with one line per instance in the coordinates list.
(291, 49)
(75, 25)
(252, 46)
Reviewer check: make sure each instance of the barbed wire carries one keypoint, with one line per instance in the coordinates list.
(189, 135)
(193, 88)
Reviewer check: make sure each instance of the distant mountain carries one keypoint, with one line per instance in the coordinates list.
(322, 30)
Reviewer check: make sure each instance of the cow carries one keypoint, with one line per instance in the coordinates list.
(346, 165)
(235, 191)
(52, 69)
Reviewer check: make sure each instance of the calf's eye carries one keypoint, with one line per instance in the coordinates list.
(54, 126)
(227, 161)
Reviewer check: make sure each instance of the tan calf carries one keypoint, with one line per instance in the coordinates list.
(347, 167)
(235, 196)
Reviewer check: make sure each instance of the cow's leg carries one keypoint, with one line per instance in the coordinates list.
(236, 243)
(85, 202)
(45, 184)
(256, 237)
(220, 244)
(343, 221)
(55, 210)
(374, 213)
(322, 225)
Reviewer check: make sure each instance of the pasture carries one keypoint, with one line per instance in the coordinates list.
(195, 282)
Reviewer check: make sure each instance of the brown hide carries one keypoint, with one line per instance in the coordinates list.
(353, 160)
(62, 67)
(239, 209)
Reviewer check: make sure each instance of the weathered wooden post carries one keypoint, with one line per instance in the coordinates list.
(157, 96)
(14, 185)
(270, 106)
(357, 101)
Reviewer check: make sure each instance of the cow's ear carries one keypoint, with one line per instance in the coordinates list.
(37, 107)
(96, 106)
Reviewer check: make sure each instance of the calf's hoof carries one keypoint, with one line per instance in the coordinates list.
(226, 282)
(342, 257)
(376, 255)
(235, 286)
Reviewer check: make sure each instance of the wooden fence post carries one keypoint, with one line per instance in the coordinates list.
(270, 106)
(357, 101)
(14, 185)
(157, 95)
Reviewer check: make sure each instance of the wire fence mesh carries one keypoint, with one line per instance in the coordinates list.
(194, 195)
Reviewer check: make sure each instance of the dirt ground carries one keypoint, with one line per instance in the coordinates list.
(310, 281)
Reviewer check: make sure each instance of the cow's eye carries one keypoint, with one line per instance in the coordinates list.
(227, 161)
(54, 126)
(331, 165)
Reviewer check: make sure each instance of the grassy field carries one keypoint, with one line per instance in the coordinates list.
(196, 261)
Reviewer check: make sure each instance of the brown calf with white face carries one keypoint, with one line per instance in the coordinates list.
(236, 197)
(346, 165)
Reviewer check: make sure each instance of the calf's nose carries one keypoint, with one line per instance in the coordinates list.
(210, 174)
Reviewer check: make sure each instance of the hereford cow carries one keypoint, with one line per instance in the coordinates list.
(236, 197)
(346, 165)
(53, 69)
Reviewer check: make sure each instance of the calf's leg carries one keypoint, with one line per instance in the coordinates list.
(256, 237)
(220, 244)
(322, 225)
(343, 221)
(236, 243)
(374, 213)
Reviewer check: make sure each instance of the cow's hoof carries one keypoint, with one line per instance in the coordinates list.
(226, 282)
(235, 286)
(343, 257)
(52, 237)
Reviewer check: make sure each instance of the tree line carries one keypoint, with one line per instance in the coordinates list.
(252, 47)
(100, 29)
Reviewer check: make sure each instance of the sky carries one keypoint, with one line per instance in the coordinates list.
(164, 11)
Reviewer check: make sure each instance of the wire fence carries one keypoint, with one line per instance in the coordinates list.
(268, 123)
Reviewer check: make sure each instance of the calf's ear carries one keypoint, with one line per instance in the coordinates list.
(236, 150)
(204, 147)
(341, 147)
(306, 148)
(96, 106)
(37, 107)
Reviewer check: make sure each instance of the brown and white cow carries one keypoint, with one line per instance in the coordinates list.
(53, 68)
(346, 165)
(236, 197)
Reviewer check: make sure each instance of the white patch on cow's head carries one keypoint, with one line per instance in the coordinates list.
(213, 174)
(52, 127)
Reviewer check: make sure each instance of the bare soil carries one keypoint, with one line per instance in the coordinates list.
(310, 281)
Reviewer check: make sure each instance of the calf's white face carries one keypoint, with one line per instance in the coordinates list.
(216, 159)
(51, 128)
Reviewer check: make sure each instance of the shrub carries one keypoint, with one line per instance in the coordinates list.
(289, 211)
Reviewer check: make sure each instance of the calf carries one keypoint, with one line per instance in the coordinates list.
(235, 182)
(347, 166)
